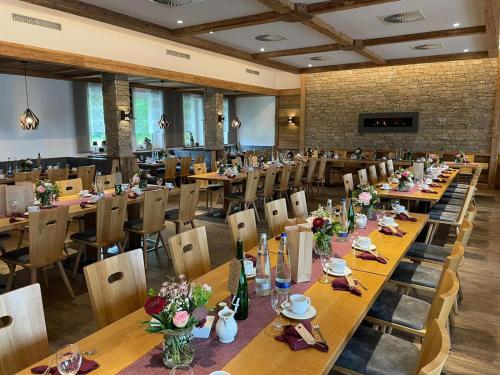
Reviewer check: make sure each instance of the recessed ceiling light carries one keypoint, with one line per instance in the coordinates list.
(180, 22)
(466, 50)
(262, 49)
(309, 65)
(456, 24)
(210, 32)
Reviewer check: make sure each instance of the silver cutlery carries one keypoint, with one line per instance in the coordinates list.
(316, 328)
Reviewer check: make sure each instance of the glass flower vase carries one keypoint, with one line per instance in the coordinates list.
(368, 212)
(45, 201)
(178, 347)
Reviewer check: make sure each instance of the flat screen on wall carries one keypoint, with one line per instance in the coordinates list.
(388, 122)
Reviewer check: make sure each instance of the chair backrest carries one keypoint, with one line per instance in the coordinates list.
(390, 168)
(200, 159)
(47, 233)
(465, 231)
(185, 166)
(70, 187)
(477, 174)
(373, 174)
(348, 183)
(251, 186)
(110, 218)
(471, 213)
(58, 174)
(242, 225)
(434, 351)
(467, 170)
(86, 174)
(444, 298)
(115, 166)
(105, 182)
(236, 161)
(155, 205)
(363, 177)
(454, 260)
(286, 171)
(189, 251)
(117, 286)
(188, 202)
(32, 176)
(299, 171)
(342, 154)
(368, 154)
(170, 168)
(383, 171)
(299, 204)
(201, 168)
(271, 173)
(277, 215)
(320, 175)
(311, 167)
(23, 335)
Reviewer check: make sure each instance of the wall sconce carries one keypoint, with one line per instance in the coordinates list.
(220, 119)
(290, 120)
(236, 123)
(126, 115)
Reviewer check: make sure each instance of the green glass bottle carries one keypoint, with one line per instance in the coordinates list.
(242, 312)
(350, 214)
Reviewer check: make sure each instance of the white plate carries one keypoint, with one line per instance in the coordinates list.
(347, 271)
(356, 246)
(310, 313)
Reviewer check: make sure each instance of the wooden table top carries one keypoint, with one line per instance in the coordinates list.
(338, 313)
(366, 161)
(419, 195)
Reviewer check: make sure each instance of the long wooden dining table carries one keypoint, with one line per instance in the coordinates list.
(339, 313)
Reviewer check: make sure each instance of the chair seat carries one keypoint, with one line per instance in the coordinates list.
(17, 256)
(450, 217)
(411, 273)
(135, 224)
(458, 185)
(441, 207)
(374, 353)
(400, 309)
(460, 190)
(172, 214)
(85, 236)
(234, 196)
(428, 251)
(454, 195)
(212, 187)
(452, 201)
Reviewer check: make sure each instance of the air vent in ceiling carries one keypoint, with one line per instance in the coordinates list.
(430, 46)
(36, 21)
(176, 3)
(178, 54)
(271, 37)
(405, 17)
(254, 72)
(320, 58)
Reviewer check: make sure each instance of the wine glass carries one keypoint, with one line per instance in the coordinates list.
(277, 301)
(69, 359)
(324, 257)
(181, 370)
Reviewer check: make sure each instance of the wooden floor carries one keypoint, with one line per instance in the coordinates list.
(475, 340)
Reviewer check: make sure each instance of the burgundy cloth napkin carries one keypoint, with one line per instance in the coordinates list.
(340, 283)
(443, 176)
(86, 367)
(252, 258)
(428, 191)
(16, 217)
(388, 232)
(403, 216)
(435, 185)
(368, 256)
(86, 204)
(439, 180)
(292, 338)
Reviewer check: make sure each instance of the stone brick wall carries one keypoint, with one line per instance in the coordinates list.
(214, 131)
(455, 101)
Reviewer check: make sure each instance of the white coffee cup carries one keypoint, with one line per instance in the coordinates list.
(364, 242)
(248, 265)
(386, 186)
(33, 209)
(169, 185)
(299, 304)
(399, 209)
(338, 265)
(2, 176)
(94, 198)
(388, 220)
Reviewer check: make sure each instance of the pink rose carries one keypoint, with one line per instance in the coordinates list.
(181, 318)
(406, 173)
(365, 198)
(136, 180)
(40, 189)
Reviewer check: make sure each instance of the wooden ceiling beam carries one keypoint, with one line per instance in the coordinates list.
(338, 5)
(491, 15)
(298, 51)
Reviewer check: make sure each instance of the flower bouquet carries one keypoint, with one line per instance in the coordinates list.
(26, 165)
(178, 307)
(366, 197)
(405, 177)
(460, 157)
(323, 231)
(140, 179)
(221, 167)
(46, 193)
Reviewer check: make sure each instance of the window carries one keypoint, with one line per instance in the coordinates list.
(95, 109)
(193, 119)
(147, 110)
(226, 120)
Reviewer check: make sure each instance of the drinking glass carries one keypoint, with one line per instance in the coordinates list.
(181, 370)
(324, 257)
(277, 302)
(394, 203)
(159, 181)
(69, 359)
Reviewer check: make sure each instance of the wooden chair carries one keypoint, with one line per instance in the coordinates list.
(23, 340)
(32, 176)
(277, 215)
(206, 186)
(348, 183)
(373, 174)
(390, 167)
(47, 235)
(153, 221)
(185, 168)
(363, 177)
(320, 175)
(117, 286)
(70, 187)
(115, 166)
(283, 186)
(190, 253)
(383, 171)
(249, 196)
(200, 159)
(187, 207)
(105, 182)
(309, 179)
(267, 191)
(58, 174)
(242, 226)
(86, 174)
(297, 179)
(338, 168)
(467, 172)
(170, 170)
(110, 218)
(299, 205)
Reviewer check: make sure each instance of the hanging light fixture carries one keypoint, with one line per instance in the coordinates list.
(164, 123)
(28, 120)
(236, 123)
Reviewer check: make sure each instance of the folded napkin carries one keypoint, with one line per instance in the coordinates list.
(86, 204)
(428, 191)
(369, 256)
(434, 185)
(14, 217)
(296, 342)
(443, 176)
(388, 232)
(252, 258)
(86, 367)
(340, 283)
(404, 216)
(439, 180)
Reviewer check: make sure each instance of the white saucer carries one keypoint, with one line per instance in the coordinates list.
(347, 271)
(85, 195)
(357, 247)
(252, 275)
(386, 189)
(395, 225)
(310, 313)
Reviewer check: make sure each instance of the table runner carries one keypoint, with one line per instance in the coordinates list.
(210, 354)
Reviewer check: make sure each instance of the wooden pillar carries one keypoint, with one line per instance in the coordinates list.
(495, 136)
(302, 112)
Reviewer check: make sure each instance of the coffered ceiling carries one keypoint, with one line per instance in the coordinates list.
(310, 35)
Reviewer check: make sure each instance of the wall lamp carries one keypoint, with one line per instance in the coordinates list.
(220, 119)
(126, 115)
(290, 120)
